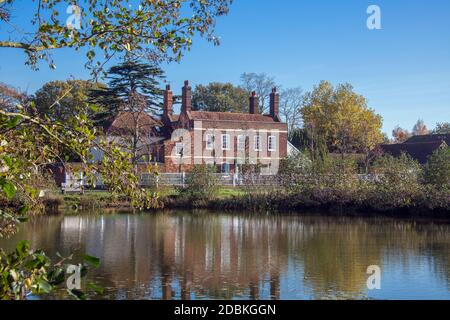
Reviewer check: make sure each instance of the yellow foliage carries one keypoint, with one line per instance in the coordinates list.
(342, 118)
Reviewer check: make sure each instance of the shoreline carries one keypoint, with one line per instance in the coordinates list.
(257, 204)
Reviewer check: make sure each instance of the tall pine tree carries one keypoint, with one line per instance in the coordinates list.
(125, 80)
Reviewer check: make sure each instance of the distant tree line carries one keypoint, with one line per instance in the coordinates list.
(400, 135)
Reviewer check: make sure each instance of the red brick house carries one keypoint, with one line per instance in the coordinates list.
(178, 142)
(224, 139)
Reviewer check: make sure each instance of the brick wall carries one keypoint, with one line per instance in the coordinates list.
(172, 164)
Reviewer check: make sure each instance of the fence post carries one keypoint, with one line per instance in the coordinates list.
(182, 178)
(234, 179)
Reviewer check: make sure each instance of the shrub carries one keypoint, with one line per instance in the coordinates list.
(397, 183)
(437, 169)
(201, 185)
(397, 172)
(294, 172)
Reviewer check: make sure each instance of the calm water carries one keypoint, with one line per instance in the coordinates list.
(213, 255)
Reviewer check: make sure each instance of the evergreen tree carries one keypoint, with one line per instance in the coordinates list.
(125, 80)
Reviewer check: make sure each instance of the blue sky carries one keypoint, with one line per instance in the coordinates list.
(403, 69)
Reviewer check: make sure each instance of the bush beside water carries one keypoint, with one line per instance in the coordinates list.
(393, 185)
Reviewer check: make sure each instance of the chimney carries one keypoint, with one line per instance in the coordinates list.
(274, 104)
(168, 102)
(254, 102)
(186, 99)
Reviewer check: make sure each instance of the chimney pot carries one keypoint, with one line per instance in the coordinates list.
(186, 99)
(254, 103)
(275, 104)
(168, 102)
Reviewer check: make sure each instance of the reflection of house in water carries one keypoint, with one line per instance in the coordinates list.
(226, 256)
(197, 257)
(181, 256)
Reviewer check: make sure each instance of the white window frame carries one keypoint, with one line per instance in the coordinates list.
(257, 143)
(209, 142)
(272, 143)
(241, 142)
(225, 146)
(179, 151)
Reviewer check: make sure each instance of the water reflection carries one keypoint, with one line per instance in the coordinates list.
(206, 255)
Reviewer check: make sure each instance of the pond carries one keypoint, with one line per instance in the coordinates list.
(212, 255)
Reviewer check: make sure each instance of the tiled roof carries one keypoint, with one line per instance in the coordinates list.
(430, 138)
(419, 151)
(124, 122)
(229, 116)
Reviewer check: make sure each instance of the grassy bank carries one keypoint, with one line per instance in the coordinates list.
(422, 203)
(91, 200)
(325, 200)
(361, 201)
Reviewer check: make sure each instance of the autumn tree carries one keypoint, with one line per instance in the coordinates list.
(400, 134)
(223, 97)
(420, 128)
(60, 100)
(262, 84)
(341, 118)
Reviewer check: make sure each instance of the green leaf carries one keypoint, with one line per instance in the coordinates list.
(90, 54)
(95, 262)
(43, 287)
(8, 161)
(13, 122)
(22, 247)
(23, 210)
(9, 189)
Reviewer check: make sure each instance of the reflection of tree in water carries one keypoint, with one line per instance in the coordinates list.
(437, 251)
(336, 257)
(225, 256)
(337, 253)
(221, 257)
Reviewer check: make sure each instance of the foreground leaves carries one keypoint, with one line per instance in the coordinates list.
(25, 271)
